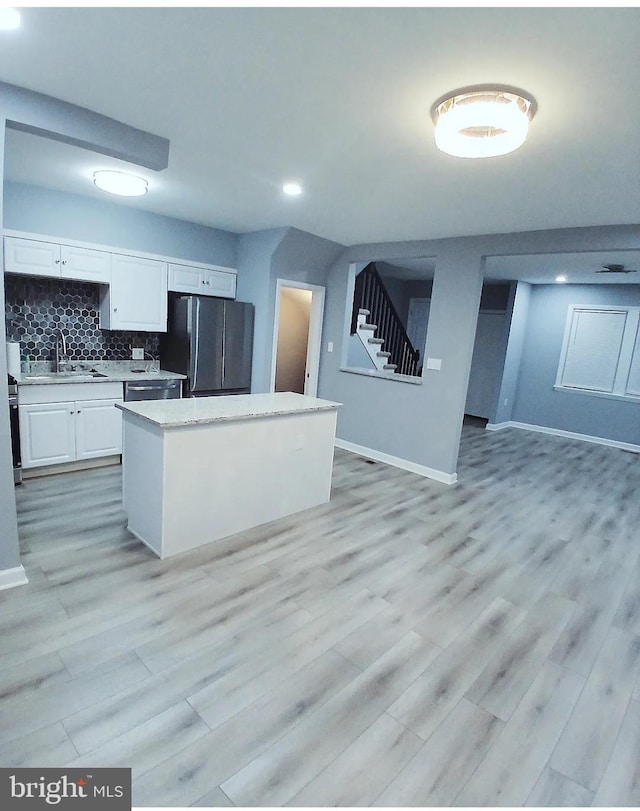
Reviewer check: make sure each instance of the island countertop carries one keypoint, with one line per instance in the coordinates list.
(202, 410)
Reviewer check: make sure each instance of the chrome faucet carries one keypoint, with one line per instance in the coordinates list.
(61, 342)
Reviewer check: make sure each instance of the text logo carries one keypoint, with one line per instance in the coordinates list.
(63, 789)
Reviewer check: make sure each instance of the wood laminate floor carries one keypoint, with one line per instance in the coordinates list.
(408, 644)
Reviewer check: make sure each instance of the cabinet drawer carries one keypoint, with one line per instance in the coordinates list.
(65, 392)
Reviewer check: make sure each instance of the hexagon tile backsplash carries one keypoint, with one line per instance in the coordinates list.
(35, 308)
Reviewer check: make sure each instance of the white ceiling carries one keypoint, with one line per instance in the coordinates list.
(339, 98)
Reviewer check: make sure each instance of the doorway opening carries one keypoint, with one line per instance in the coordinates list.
(297, 337)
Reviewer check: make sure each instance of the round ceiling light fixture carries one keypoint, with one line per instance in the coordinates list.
(292, 188)
(482, 121)
(9, 19)
(120, 183)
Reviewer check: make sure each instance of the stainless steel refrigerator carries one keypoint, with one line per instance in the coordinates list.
(210, 340)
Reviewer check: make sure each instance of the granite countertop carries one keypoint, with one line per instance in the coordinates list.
(40, 374)
(202, 410)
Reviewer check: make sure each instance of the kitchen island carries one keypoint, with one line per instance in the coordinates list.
(199, 469)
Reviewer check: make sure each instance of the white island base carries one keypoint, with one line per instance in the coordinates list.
(197, 470)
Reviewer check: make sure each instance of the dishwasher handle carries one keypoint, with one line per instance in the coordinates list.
(172, 385)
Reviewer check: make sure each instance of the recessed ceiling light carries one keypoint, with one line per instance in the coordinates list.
(561, 278)
(9, 19)
(120, 183)
(482, 121)
(292, 189)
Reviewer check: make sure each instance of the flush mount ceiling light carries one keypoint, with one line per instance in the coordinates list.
(292, 188)
(9, 19)
(482, 121)
(561, 278)
(120, 183)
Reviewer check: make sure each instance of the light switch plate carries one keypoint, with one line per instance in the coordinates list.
(330, 346)
(434, 363)
(137, 353)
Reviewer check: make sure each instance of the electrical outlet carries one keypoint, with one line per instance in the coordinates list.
(137, 353)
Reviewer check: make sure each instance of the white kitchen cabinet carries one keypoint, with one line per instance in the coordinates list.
(98, 428)
(31, 257)
(136, 299)
(47, 434)
(69, 422)
(34, 257)
(202, 280)
(85, 264)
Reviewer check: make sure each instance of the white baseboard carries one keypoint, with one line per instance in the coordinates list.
(498, 426)
(396, 461)
(9, 578)
(542, 429)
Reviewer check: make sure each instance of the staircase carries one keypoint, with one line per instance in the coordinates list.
(375, 320)
(372, 344)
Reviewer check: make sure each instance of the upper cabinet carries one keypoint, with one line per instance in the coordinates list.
(133, 292)
(202, 281)
(136, 299)
(85, 264)
(39, 258)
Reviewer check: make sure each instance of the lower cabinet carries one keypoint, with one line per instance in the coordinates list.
(55, 433)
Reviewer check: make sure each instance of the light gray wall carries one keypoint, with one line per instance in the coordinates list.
(421, 423)
(255, 256)
(70, 216)
(263, 258)
(418, 423)
(536, 400)
(9, 548)
(357, 355)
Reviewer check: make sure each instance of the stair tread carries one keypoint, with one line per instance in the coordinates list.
(367, 326)
(362, 311)
(376, 340)
(390, 366)
(383, 354)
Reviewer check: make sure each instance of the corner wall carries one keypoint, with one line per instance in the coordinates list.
(9, 547)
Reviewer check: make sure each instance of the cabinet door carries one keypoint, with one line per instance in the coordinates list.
(138, 295)
(185, 279)
(219, 283)
(98, 428)
(47, 434)
(85, 264)
(31, 257)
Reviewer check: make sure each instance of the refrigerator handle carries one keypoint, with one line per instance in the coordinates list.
(195, 337)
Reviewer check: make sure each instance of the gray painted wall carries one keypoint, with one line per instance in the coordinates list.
(263, 258)
(536, 401)
(421, 423)
(53, 213)
(9, 548)
(255, 256)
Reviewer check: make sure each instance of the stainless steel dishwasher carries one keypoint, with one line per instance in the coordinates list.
(152, 390)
